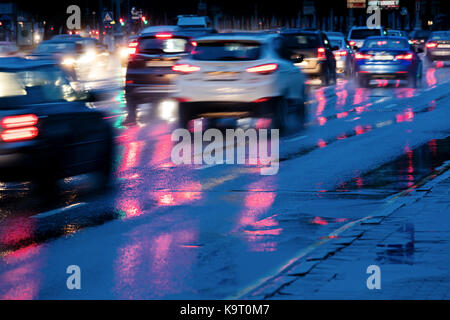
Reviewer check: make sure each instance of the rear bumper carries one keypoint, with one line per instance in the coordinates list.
(229, 108)
(439, 54)
(22, 165)
(317, 71)
(385, 71)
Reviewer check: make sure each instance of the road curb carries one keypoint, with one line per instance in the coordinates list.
(305, 261)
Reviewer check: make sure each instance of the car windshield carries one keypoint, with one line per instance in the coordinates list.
(382, 43)
(360, 34)
(302, 41)
(33, 86)
(160, 45)
(227, 51)
(55, 47)
(440, 36)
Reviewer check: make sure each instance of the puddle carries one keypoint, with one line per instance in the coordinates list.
(404, 172)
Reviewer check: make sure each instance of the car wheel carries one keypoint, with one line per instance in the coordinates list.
(184, 115)
(105, 172)
(325, 78)
(281, 114)
(362, 82)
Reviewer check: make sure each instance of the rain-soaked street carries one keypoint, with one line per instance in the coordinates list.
(166, 231)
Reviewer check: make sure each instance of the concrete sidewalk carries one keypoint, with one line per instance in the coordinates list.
(410, 245)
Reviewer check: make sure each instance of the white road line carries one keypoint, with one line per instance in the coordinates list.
(58, 211)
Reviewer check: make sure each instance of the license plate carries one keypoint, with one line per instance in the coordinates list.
(222, 75)
(159, 63)
(444, 46)
(384, 57)
(441, 53)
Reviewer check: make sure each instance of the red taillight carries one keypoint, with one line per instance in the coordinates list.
(263, 69)
(321, 53)
(360, 56)
(185, 68)
(18, 128)
(194, 43)
(340, 53)
(132, 46)
(352, 43)
(407, 56)
(20, 134)
(431, 45)
(163, 36)
(19, 121)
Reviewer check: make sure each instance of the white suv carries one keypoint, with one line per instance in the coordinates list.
(242, 74)
(357, 35)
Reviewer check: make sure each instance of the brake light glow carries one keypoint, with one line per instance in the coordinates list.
(263, 69)
(194, 43)
(431, 45)
(163, 36)
(20, 134)
(185, 68)
(352, 43)
(340, 53)
(321, 53)
(19, 121)
(407, 56)
(361, 56)
(132, 47)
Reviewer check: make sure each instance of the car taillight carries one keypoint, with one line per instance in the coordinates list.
(19, 121)
(132, 46)
(361, 56)
(19, 128)
(321, 54)
(431, 45)
(263, 69)
(352, 43)
(164, 36)
(407, 56)
(185, 68)
(340, 53)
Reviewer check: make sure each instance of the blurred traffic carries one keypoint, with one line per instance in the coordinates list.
(179, 73)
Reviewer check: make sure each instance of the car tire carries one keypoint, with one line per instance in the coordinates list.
(105, 172)
(281, 114)
(184, 115)
(362, 82)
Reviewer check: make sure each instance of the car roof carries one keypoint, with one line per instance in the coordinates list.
(362, 27)
(18, 63)
(152, 29)
(250, 36)
(387, 37)
(298, 30)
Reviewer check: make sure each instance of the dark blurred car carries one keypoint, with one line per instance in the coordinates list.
(387, 58)
(418, 38)
(357, 35)
(317, 53)
(47, 132)
(438, 46)
(344, 55)
(149, 75)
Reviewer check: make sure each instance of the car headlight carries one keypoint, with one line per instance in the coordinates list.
(123, 52)
(68, 61)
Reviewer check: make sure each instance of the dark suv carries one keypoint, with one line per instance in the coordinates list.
(149, 76)
(317, 53)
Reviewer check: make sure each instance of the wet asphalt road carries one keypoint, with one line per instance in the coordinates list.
(166, 231)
